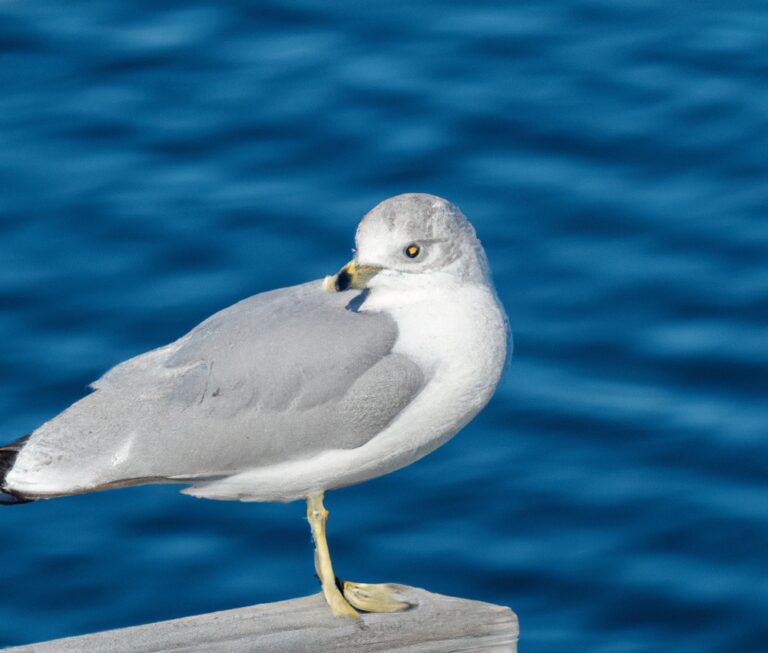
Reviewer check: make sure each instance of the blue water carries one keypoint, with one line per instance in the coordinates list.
(159, 161)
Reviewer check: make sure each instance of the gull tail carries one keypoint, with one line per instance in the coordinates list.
(8, 454)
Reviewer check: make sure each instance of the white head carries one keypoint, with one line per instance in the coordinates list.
(411, 240)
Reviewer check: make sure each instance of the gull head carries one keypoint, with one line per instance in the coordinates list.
(411, 240)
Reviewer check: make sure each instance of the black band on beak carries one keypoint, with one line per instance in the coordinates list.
(343, 280)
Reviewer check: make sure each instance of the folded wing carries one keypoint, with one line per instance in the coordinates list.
(277, 377)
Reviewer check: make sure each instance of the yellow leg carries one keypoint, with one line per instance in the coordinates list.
(318, 515)
(343, 595)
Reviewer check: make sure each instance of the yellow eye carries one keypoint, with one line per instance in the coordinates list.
(412, 251)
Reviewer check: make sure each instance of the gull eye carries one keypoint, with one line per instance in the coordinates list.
(412, 251)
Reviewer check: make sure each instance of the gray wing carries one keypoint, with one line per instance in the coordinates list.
(276, 377)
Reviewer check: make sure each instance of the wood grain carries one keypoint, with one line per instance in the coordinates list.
(435, 624)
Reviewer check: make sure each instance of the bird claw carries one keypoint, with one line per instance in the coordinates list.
(374, 598)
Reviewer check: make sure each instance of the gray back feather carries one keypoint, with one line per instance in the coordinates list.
(276, 377)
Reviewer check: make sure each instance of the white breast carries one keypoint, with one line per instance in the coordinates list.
(458, 336)
(459, 339)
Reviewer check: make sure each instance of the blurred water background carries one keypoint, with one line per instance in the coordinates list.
(161, 160)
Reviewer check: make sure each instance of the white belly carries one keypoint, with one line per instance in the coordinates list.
(459, 339)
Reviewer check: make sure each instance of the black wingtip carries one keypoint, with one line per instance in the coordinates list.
(12, 500)
(8, 455)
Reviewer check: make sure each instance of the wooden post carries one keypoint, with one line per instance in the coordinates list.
(436, 623)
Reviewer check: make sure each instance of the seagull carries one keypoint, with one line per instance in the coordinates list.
(294, 392)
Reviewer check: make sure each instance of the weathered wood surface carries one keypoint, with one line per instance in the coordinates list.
(436, 623)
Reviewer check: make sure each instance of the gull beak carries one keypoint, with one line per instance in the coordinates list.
(352, 275)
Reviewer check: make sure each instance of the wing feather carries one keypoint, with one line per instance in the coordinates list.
(276, 377)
